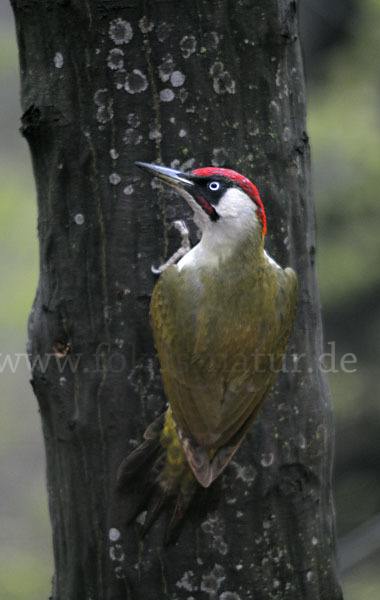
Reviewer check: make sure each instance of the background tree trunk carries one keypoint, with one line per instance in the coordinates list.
(105, 83)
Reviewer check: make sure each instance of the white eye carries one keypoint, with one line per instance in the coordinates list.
(213, 186)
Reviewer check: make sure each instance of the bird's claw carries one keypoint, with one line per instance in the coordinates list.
(181, 226)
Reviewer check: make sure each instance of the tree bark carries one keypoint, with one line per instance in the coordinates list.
(105, 83)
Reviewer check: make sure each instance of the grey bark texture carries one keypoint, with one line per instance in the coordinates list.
(105, 83)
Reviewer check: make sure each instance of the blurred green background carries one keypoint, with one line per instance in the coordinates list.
(342, 51)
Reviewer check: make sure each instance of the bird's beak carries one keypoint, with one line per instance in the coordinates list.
(171, 176)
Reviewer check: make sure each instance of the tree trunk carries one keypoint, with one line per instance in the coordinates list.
(105, 83)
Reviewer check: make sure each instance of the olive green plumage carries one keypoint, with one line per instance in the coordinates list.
(221, 321)
(220, 333)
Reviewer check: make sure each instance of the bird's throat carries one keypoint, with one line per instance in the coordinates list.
(219, 247)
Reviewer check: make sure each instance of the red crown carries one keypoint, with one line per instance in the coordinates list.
(242, 182)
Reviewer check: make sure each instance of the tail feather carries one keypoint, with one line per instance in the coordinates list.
(159, 465)
(155, 507)
(132, 464)
(181, 507)
(144, 453)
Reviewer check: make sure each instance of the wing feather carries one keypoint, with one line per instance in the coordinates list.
(219, 355)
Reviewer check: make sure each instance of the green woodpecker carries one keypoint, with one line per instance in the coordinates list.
(221, 320)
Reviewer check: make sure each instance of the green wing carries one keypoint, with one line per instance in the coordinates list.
(220, 353)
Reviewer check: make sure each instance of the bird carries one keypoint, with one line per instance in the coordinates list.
(221, 313)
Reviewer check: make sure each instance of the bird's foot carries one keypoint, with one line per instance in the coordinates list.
(182, 250)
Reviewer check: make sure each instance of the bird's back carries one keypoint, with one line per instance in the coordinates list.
(220, 334)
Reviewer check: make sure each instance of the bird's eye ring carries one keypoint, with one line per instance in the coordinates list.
(213, 186)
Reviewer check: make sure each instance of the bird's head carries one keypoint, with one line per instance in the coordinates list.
(219, 197)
